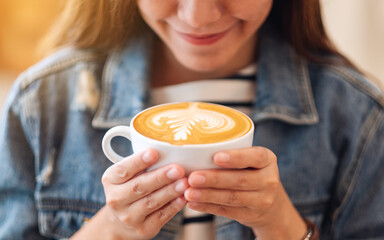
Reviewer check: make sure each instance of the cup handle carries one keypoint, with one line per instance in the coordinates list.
(119, 131)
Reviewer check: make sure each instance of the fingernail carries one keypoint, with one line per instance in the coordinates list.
(148, 156)
(180, 187)
(222, 157)
(198, 179)
(173, 174)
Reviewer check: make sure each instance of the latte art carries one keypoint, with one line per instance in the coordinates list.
(192, 123)
(183, 121)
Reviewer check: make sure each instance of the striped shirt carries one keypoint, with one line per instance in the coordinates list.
(237, 91)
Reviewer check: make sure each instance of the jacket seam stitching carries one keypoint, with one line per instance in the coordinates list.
(29, 79)
(378, 115)
(300, 71)
(307, 92)
(351, 79)
(31, 130)
(285, 116)
(51, 204)
(106, 86)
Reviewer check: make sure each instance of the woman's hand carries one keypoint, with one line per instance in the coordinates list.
(143, 201)
(249, 191)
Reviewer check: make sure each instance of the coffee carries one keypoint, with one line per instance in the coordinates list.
(192, 123)
(188, 134)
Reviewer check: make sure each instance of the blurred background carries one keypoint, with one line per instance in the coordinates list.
(22, 24)
(355, 26)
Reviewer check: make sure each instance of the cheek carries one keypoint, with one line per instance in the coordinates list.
(157, 9)
(249, 10)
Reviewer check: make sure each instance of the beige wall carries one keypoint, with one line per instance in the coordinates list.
(22, 23)
(357, 28)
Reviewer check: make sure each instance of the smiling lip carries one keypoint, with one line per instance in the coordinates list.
(203, 39)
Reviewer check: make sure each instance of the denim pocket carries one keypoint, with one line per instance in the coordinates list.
(61, 218)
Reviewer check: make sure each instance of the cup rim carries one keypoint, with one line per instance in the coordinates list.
(246, 135)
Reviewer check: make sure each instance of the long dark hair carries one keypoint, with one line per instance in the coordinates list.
(300, 22)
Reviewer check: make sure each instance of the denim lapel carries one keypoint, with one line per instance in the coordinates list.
(124, 84)
(283, 86)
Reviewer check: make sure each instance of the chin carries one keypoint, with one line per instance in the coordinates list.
(199, 67)
(203, 64)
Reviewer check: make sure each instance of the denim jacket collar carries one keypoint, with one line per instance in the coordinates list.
(284, 89)
(283, 86)
(124, 85)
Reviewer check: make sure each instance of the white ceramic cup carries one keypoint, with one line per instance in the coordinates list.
(191, 156)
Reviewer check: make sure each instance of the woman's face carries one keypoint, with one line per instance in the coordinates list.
(205, 35)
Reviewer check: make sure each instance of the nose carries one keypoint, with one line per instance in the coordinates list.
(198, 13)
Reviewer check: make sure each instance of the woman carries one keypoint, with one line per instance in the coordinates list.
(316, 168)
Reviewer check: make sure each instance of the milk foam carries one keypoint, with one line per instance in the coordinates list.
(192, 123)
(183, 121)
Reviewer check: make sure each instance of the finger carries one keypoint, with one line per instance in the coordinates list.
(220, 210)
(245, 179)
(126, 169)
(156, 200)
(159, 218)
(123, 195)
(255, 157)
(254, 200)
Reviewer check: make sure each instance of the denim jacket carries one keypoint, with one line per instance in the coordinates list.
(324, 122)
